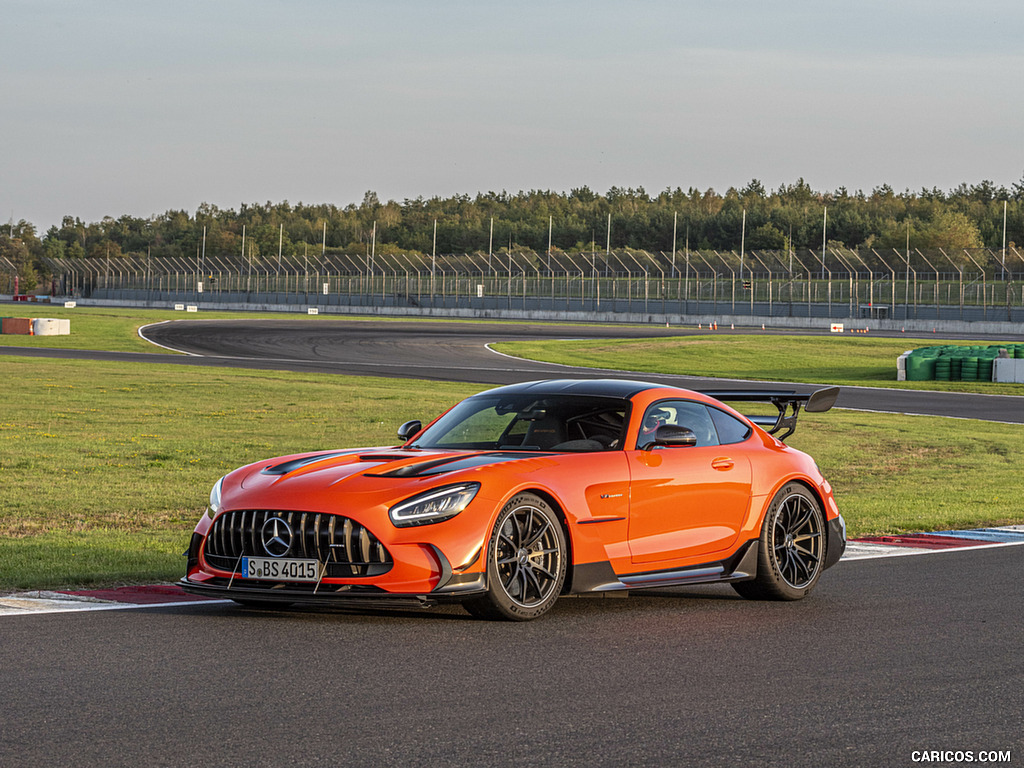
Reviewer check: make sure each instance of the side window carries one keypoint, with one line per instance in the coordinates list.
(730, 429)
(682, 413)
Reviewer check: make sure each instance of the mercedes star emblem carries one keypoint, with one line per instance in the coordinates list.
(277, 537)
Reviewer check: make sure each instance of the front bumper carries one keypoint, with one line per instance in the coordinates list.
(362, 555)
(422, 575)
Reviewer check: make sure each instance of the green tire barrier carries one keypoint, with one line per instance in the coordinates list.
(956, 363)
(969, 369)
(920, 368)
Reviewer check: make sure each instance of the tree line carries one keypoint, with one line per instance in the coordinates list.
(794, 215)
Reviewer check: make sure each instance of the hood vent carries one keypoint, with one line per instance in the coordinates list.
(290, 466)
(454, 464)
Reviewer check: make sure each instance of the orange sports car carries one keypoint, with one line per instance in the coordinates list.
(523, 493)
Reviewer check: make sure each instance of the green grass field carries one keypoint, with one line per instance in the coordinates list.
(105, 467)
(99, 458)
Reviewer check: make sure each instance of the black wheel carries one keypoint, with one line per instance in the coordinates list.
(791, 548)
(526, 562)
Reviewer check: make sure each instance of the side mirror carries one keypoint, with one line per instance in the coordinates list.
(673, 436)
(409, 430)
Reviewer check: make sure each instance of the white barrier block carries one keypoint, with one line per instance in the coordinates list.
(1008, 370)
(50, 326)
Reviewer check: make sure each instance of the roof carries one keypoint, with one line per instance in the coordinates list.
(620, 388)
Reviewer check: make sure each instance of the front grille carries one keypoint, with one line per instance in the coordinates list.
(346, 547)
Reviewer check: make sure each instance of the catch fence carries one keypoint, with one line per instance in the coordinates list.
(839, 283)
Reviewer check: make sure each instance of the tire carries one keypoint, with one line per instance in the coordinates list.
(791, 550)
(526, 562)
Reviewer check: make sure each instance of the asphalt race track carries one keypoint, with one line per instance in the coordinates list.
(888, 657)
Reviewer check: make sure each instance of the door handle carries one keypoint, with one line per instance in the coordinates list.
(722, 463)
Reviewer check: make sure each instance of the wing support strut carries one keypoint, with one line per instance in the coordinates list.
(787, 403)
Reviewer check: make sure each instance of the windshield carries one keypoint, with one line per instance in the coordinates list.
(530, 423)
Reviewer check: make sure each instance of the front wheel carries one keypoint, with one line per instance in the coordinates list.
(791, 549)
(526, 562)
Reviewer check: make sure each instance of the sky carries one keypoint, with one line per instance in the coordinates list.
(114, 107)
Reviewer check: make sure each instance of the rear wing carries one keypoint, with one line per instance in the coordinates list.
(788, 404)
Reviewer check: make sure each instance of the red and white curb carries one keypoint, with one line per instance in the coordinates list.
(895, 545)
(150, 596)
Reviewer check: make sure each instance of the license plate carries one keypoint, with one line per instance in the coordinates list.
(280, 569)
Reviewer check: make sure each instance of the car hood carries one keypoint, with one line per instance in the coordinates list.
(297, 480)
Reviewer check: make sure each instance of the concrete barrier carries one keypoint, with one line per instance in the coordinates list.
(50, 326)
(901, 366)
(1008, 370)
(35, 326)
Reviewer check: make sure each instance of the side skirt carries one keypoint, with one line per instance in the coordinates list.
(600, 577)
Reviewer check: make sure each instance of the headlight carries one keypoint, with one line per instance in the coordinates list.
(434, 506)
(214, 509)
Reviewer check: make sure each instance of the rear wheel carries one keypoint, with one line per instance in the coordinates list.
(526, 562)
(791, 549)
